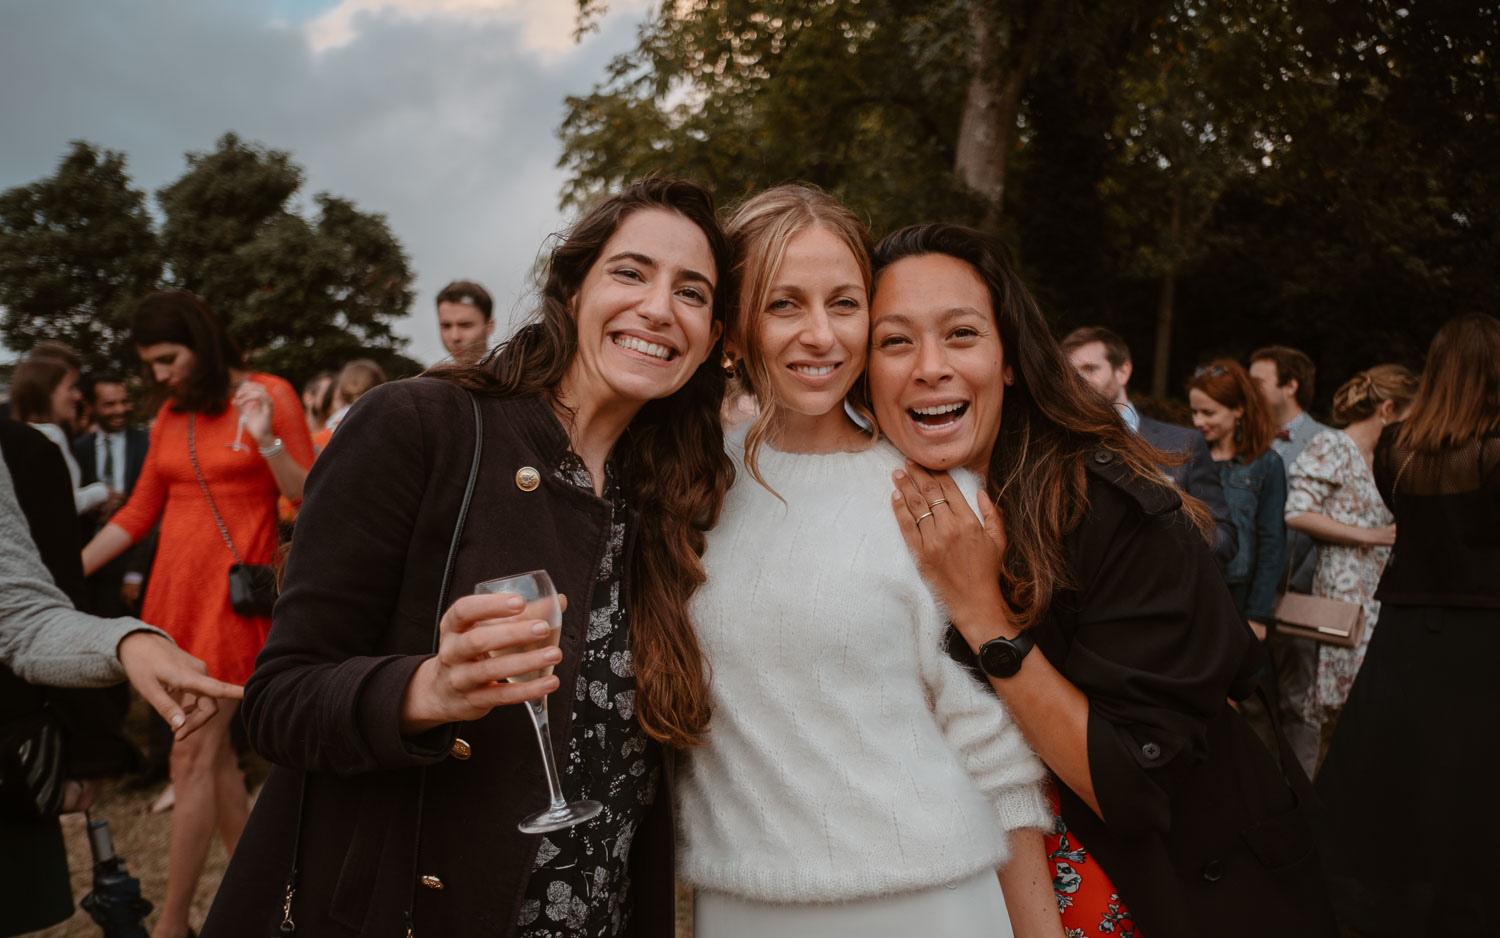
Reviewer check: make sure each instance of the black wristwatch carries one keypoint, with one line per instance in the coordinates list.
(1001, 657)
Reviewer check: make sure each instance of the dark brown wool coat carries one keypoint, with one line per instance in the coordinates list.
(355, 619)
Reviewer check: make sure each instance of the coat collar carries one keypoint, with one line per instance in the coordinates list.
(536, 422)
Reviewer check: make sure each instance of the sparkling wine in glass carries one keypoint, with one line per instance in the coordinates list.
(536, 590)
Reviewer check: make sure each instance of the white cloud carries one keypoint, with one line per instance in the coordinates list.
(445, 122)
(546, 25)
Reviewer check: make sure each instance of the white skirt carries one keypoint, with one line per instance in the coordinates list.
(974, 906)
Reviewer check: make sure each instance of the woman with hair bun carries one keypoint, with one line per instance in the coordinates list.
(1232, 416)
(1333, 499)
(1411, 830)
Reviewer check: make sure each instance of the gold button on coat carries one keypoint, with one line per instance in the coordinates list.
(527, 479)
(460, 749)
(432, 882)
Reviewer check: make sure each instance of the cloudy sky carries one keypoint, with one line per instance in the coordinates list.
(440, 114)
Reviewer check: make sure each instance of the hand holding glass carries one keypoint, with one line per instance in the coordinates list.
(536, 590)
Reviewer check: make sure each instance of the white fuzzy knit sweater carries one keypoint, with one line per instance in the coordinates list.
(848, 756)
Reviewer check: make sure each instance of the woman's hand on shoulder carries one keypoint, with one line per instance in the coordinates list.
(484, 641)
(960, 555)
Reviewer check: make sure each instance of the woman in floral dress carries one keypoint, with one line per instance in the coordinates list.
(1333, 499)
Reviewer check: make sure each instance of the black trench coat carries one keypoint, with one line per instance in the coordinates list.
(355, 619)
(1204, 834)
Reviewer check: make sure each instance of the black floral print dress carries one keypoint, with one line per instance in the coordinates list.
(580, 885)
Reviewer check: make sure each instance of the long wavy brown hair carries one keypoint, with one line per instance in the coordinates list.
(1051, 423)
(1459, 397)
(671, 457)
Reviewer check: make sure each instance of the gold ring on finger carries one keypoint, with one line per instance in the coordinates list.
(924, 517)
(937, 501)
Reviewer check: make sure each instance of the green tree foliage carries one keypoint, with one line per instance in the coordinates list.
(297, 293)
(300, 294)
(76, 251)
(906, 110)
(861, 97)
(1380, 215)
(1205, 176)
(1199, 108)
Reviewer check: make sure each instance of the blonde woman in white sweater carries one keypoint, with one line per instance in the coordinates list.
(856, 780)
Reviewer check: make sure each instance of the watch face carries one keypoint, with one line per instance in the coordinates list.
(1000, 658)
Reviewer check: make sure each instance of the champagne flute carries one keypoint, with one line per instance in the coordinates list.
(536, 590)
(239, 434)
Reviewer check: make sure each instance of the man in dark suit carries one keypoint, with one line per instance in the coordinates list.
(113, 453)
(1102, 359)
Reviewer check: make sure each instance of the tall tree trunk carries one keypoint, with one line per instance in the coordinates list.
(992, 104)
(1166, 303)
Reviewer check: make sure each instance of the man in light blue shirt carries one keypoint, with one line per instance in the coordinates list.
(1285, 378)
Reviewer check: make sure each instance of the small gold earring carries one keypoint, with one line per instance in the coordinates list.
(727, 363)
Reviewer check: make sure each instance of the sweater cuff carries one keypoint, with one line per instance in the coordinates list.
(92, 660)
(1024, 807)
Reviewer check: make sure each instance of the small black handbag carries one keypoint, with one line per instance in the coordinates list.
(252, 587)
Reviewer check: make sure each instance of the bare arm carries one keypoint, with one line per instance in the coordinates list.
(108, 544)
(254, 401)
(1026, 882)
(1325, 528)
(288, 473)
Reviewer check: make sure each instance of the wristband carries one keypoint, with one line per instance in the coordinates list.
(272, 450)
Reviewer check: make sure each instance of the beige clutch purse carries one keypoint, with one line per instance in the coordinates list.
(1323, 620)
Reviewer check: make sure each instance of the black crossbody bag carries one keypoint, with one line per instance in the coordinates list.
(252, 587)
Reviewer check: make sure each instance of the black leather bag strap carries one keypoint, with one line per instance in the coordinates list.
(287, 925)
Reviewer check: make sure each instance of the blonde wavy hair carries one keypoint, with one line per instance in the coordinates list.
(759, 231)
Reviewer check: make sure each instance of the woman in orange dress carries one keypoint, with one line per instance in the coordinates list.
(247, 434)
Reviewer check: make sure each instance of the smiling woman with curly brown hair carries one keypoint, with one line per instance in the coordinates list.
(403, 764)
